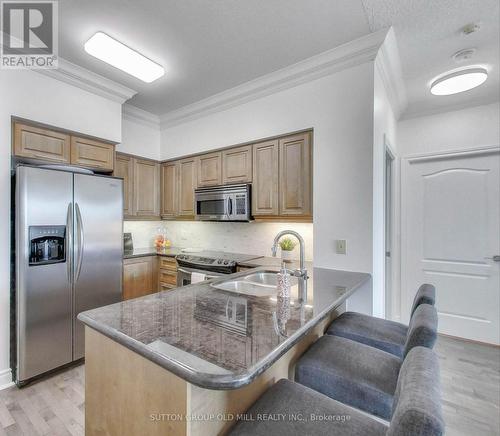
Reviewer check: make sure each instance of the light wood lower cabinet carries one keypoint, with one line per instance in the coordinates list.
(147, 275)
(265, 178)
(38, 143)
(92, 154)
(140, 277)
(237, 165)
(167, 274)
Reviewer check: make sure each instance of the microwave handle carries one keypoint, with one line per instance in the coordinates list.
(229, 206)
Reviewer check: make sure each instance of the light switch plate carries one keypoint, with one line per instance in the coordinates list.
(341, 246)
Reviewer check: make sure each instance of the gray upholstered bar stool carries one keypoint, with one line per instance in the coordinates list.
(298, 410)
(383, 334)
(360, 375)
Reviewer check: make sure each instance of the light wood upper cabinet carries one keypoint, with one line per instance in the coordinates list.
(169, 189)
(93, 154)
(186, 186)
(265, 178)
(55, 146)
(210, 169)
(146, 188)
(295, 175)
(140, 277)
(124, 168)
(237, 165)
(38, 143)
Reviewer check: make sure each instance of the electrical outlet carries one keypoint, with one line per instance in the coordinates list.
(341, 246)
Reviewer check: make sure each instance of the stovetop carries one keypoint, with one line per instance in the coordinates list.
(208, 260)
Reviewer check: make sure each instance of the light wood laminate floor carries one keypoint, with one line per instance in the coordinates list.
(470, 375)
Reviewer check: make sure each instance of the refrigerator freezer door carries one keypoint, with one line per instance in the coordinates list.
(98, 247)
(43, 292)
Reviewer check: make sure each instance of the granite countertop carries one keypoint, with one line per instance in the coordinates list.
(151, 251)
(273, 262)
(217, 339)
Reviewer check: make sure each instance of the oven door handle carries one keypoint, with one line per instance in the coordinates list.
(208, 274)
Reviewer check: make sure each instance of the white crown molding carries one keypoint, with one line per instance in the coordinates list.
(140, 116)
(388, 64)
(353, 53)
(88, 81)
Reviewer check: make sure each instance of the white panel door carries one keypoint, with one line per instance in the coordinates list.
(451, 219)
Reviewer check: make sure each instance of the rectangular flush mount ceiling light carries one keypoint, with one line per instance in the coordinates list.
(115, 53)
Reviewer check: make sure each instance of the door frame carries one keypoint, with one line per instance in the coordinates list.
(389, 294)
(406, 162)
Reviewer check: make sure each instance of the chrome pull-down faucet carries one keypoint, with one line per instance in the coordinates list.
(301, 273)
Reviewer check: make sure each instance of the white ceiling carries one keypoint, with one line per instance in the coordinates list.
(428, 34)
(208, 46)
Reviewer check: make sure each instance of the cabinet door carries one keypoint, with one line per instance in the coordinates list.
(40, 143)
(124, 168)
(139, 277)
(237, 165)
(295, 175)
(265, 178)
(186, 186)
(92, 154)
(146, 188)
(169, 190)
(210, 169)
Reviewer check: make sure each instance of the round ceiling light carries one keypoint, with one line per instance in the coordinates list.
(459, 81)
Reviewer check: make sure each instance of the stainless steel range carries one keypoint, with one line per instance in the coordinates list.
(208, 264)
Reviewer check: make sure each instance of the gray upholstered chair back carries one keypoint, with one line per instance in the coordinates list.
(426, 294)
(422, 330)
(417, 400)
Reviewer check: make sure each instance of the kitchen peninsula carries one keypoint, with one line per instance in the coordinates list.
(187, 361)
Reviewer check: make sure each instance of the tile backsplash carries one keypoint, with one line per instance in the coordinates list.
(248, 238)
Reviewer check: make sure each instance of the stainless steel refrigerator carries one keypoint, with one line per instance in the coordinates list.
(69, 251)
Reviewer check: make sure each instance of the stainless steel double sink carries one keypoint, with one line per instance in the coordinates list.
(258, 284)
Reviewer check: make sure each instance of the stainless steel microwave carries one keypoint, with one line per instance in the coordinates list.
(223, 203)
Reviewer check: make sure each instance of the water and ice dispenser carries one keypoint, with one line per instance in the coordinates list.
(47, 245)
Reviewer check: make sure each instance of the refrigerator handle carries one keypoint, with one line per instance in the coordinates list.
(79, 229)
(69, 240)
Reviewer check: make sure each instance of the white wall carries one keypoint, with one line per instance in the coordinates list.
(31, 95)
(384, 131)
(140, 139)
(248, 238)
(340, 109)
(477, 126)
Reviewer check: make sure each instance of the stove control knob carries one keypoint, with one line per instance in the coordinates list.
(226, 262)
(219, 261)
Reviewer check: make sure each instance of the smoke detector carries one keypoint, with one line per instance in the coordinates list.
(470, 28)
(464, 55)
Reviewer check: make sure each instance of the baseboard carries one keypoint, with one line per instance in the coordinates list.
(6, 379)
